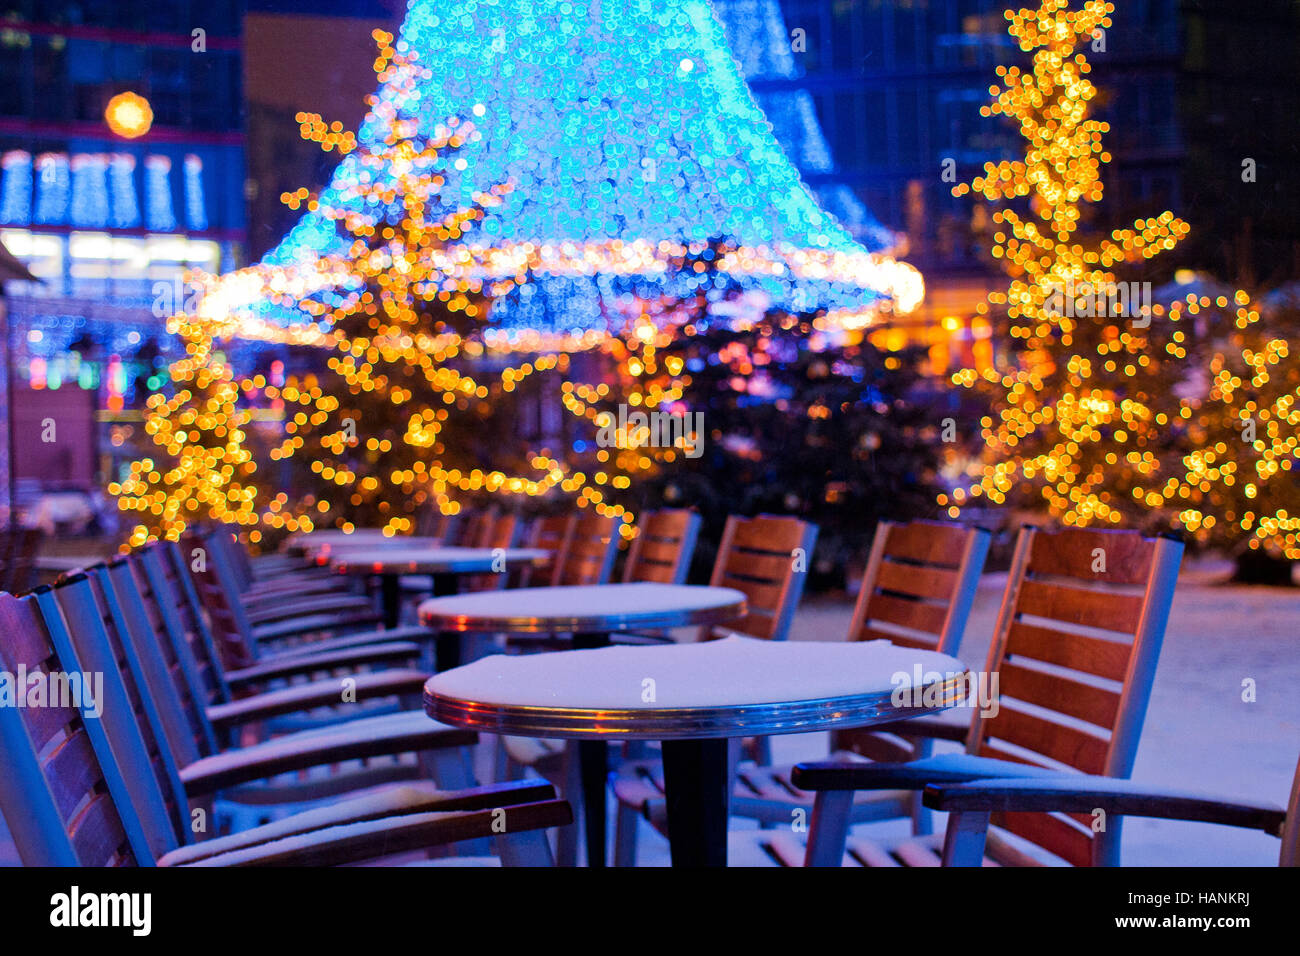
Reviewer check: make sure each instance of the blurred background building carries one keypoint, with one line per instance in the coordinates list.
(121, 166)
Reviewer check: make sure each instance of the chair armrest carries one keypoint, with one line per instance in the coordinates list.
(374, 737)
(912, 775)
(282, 610)
(935, 728)
(321, 693)
(261, 593)
(357, 842)
(313, 623)
(373, 806)
(638, 638)
(297, 664)
(1084, 794)
(409, 633)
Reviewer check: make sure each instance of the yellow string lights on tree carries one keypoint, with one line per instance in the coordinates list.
(405, 269)
(199, 430)
(1234, 484)
(1073, 423)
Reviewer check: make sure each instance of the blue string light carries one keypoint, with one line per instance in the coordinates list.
(158, 194)
(53, 188)
(16, 195)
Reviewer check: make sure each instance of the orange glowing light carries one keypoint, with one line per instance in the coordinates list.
(129, 115)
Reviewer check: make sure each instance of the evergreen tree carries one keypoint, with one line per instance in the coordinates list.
(1233, 483)
(202, 469)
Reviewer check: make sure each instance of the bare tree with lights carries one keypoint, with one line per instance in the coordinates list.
(1079, 417)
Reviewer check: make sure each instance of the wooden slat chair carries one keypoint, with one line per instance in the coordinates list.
(82, 790)
(502, 532)
(291, 581)
(168, 605)
(766, 558)
(18, 547)
(660, 553)
(587, 554)
(917, 591)
(971, 806)
(662, 550)
(286, 598)
(1075, 648)
(109, 623)
(546, 534)
(217, 579)
(241, 643)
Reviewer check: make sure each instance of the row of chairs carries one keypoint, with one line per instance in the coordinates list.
(223, 699)
(917, 591)
(176, 727)
(1075, 648)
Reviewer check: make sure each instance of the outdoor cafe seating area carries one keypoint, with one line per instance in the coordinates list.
(493, 694)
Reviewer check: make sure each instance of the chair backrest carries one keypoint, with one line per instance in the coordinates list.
(662, 549)
(917, 591)
(1290, 855)
(63, 797)
(432, 523)
(502, 532)
(172, 600)
(588, 552)
(18, 547)
(1075, 651)
(546, 534)
(919, 584)
(469, 530)
(233, 553)
(767, 559)
(219, 593)
(100, 633)
(167, 662)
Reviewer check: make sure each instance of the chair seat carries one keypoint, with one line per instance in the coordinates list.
(410, 798)
(786, 848)
(761, 793)
(532, 751)
(768, 794)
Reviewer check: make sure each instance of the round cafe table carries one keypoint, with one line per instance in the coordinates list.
(443, 565)
(695, 698)
(591, 614)
(318, 544)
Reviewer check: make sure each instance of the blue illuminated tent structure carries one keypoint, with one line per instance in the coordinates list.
(629, 137)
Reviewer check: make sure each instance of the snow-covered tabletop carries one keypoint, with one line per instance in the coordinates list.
(346, 545)
(305, 539)
(601, 608)
(732, 687)
(433, 560)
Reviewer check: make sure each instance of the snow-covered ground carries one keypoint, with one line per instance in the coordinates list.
(1199, 734)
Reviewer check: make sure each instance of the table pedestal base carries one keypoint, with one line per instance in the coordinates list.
(697, 786)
